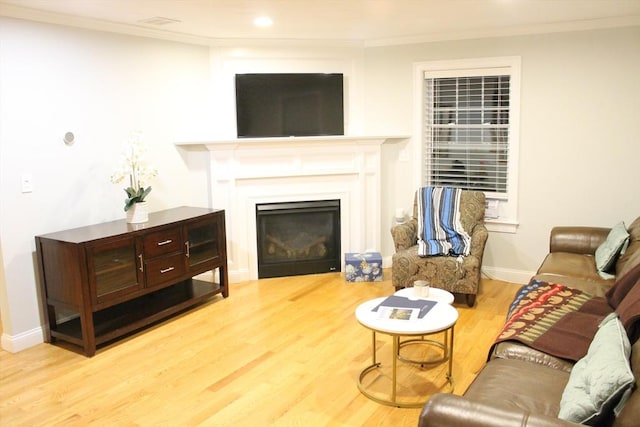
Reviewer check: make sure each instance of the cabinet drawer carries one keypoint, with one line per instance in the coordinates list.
(164, 269)
(163, 242)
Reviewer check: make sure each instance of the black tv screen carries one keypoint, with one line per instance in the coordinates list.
(276, 105)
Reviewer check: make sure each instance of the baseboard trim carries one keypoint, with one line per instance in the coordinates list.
(386, 262)
(497, 273)
(507, 274)
(22, 341)
(236, 276)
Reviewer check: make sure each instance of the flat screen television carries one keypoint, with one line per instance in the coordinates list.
(294, 104)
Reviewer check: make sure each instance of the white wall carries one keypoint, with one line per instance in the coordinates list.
(579, 147)
(578, 154)
(55, 79)
(100, 86)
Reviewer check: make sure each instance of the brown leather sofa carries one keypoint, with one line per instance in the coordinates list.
(521, 386)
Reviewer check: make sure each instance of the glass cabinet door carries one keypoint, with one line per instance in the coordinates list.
(114, 269)
(202, 244)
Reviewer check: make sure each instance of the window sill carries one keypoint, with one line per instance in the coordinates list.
(501, 226)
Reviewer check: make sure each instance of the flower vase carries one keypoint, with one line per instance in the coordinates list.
(138, 213)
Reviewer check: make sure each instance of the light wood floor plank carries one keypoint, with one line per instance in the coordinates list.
(277, 352)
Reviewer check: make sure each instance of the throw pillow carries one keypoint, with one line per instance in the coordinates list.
(599, 379)
(607, 253)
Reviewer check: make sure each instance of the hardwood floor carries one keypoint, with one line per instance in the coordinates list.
(283, 352)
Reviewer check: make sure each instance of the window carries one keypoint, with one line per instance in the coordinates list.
(469, 127)
(467, 132)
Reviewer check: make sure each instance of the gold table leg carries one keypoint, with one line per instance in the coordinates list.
(446, 345)
(373, 346)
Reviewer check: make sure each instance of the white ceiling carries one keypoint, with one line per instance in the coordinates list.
(370, 22)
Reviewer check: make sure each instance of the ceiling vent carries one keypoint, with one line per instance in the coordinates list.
(158, 20)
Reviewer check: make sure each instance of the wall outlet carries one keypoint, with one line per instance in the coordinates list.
(491, 209)
(27, 183)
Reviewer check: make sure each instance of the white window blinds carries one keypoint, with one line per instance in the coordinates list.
(467, 132)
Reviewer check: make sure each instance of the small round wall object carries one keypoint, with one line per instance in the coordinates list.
(69, 138)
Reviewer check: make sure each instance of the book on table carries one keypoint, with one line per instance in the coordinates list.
(402, 308)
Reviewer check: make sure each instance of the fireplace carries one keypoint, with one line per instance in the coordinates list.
(245, 172)
(296, 238)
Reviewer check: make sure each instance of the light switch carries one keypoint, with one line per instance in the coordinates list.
(27, 183)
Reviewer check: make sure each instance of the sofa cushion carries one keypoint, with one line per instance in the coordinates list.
(631, 256)
(597, 288)
(518, 384)
(623, 285)
(577, 239)
(629, 310)
(519, 351)
(624, 297)
(599, 379)
(569, 264)
(608, 252)
(631, 259)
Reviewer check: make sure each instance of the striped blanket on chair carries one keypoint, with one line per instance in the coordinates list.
(439, 229)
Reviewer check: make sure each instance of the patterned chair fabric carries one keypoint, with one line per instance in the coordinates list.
(457, 275)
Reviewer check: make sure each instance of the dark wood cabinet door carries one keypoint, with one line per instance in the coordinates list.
(115, 269)
(203, 244)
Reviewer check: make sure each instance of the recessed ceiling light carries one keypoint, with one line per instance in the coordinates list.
(263, 21)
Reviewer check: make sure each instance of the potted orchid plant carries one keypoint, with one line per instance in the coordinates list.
(134, 166)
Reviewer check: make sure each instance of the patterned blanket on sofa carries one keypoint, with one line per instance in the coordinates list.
(555, 319)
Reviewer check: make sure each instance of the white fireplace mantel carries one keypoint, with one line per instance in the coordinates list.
(248, 171)
(303, 140)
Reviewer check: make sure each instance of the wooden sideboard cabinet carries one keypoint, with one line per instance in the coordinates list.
(100, 282)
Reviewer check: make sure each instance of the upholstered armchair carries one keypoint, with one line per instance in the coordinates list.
(458, 275)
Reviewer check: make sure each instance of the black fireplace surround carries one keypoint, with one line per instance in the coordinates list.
(297, 238)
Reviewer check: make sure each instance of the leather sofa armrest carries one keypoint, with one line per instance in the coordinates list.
(449, 410)
(405, 235)
(578, 240)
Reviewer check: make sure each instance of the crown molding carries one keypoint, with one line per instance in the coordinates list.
(591, 24)
(18, 12)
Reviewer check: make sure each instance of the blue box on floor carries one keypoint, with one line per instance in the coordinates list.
(363, 267)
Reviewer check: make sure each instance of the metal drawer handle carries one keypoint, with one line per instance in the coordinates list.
(166, 270)
(141, 263)
(187, 245)
(166, 242)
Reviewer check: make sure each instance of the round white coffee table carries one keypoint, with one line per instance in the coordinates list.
(435, 294)
(441, 318)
